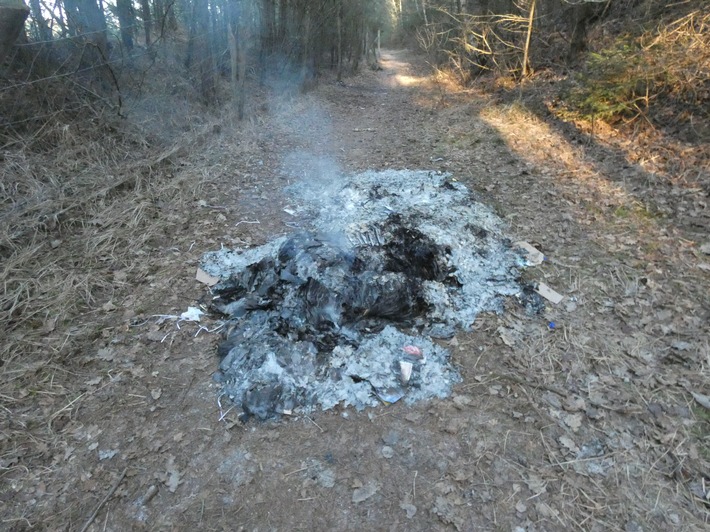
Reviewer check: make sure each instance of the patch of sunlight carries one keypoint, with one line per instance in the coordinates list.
(408, 81)
(602, 197)
(534, 141)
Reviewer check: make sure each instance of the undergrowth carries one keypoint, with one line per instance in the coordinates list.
(80, 196)
(661, 76)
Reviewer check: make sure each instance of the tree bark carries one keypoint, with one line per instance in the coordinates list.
(126, 22)
(526, 51)
(340, 39)
(268, 36)
(578, 41)
(43, 31)
(147, 20)
(238, 38)
(12, 21)
(87, 20)
(305, 45)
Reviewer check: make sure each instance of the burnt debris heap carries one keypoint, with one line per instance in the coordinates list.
(344, 311)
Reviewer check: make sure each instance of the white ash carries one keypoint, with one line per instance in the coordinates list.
(316, 318)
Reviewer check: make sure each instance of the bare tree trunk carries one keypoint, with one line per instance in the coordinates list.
(340, 40)
(59, 16)
(147, 20)
(243, 38)
(164, 15)
(86, 18)
(234, 56)
(282, 22)
(200, 50)
(43, 31)
(400, 17)
(579, 20)
(526, 50)
(268, 36)
(159, 12)
(305, 45)
(126, 22)
(268, 27)
(12, 21)
(238, 37)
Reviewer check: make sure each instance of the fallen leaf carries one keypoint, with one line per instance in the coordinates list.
(364, 493)
(156, 393)
(703, 400)
(536, 484)
(506, 336)
(573, 421)
(106, 353)
(568, 443)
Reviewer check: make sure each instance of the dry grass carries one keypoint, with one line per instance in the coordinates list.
(80, 198)
(77, 223)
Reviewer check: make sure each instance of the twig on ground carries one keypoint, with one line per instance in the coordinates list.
(108, 496)
(247, 222)
(316, 424)
(297, 471)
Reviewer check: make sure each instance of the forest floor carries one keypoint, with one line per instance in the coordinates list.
(600, 423)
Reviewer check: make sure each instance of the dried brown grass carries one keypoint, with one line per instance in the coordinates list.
(79, 199)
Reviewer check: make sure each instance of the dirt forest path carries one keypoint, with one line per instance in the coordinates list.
(589, 425)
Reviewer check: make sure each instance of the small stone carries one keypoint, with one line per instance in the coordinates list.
(387, 451)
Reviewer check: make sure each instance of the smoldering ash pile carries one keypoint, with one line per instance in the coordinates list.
(347, 310)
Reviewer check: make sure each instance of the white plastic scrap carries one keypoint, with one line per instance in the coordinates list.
(191, 314)
(533, 256)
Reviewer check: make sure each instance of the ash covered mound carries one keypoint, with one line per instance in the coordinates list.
(344, 312)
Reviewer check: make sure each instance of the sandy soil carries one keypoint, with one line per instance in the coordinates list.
(591, 424)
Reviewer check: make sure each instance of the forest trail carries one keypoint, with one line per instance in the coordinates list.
(588, 424)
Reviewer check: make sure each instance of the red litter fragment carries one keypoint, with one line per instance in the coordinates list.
(413, 350)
